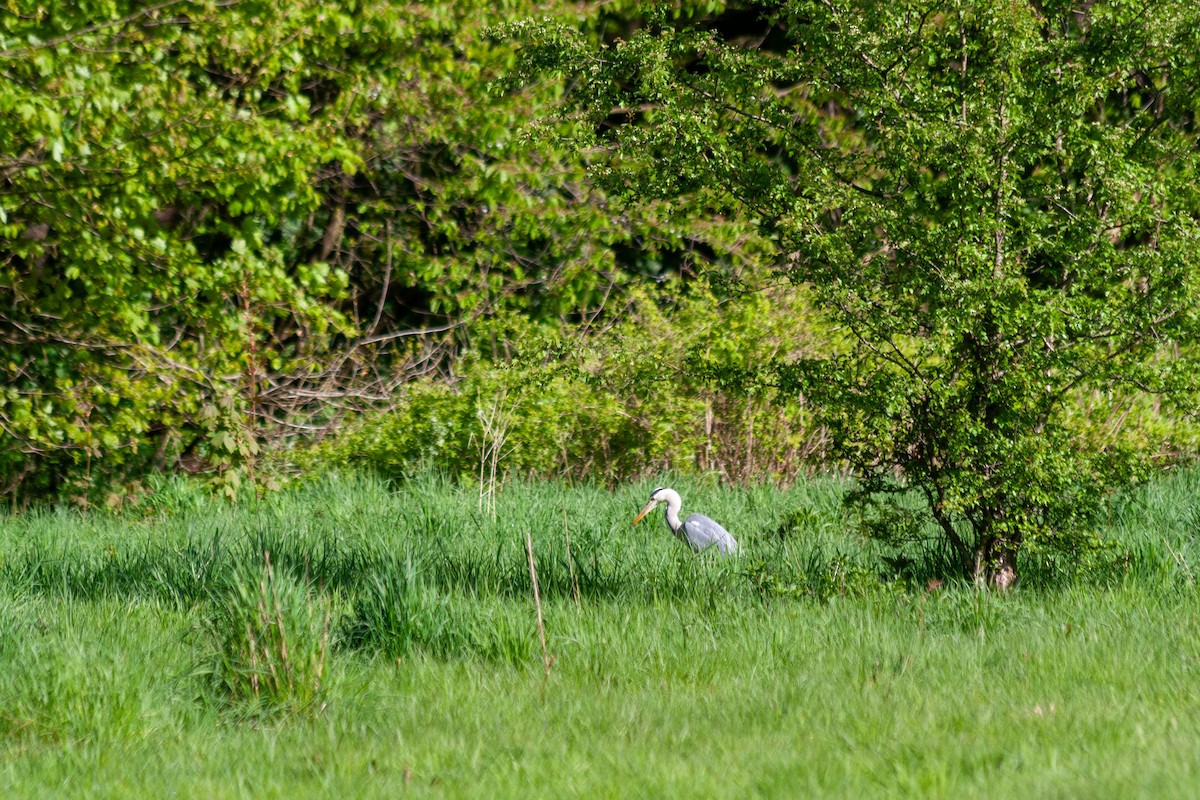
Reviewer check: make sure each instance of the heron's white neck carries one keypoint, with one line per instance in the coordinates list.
(674, 503)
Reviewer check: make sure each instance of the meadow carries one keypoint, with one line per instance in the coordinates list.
(352, 638)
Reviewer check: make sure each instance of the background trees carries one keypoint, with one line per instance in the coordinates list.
(157, 158)
(993, 204)
(223, 223)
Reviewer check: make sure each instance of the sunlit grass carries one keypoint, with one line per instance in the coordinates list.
(802, 669)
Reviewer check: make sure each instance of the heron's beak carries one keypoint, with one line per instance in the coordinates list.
(645, 510)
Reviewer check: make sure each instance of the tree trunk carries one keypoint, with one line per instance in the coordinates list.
(996, 562)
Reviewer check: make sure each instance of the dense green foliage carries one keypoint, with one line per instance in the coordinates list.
(994, 203)
(225, 223)
(431, 250)
(632, 400)
(153, 156)
(121, 671)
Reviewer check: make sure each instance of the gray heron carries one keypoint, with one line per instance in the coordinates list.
(699, 531)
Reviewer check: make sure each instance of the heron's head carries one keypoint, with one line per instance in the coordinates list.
(657, 496)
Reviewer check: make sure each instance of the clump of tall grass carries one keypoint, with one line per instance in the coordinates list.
(396, 613)
(267, 640)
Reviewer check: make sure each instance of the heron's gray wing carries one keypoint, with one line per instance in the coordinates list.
(704, 532)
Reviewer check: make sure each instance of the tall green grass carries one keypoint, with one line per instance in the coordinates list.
(267, 641)
(391, 646)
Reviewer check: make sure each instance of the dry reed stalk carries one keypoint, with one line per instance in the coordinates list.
(570, 561)
(537, 601)
(494, 432)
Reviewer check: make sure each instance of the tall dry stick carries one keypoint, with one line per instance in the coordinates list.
(537, 601)
(570, 561)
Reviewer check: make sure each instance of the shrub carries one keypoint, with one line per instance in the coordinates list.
(656, 393)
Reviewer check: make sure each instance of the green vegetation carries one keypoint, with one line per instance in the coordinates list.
(225, 227)
(628, 402)
(949, 248)
(994, 203)
(323, 323)
(800, 669)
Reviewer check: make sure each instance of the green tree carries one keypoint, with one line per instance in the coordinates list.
(994, 204)
(150, 153)
(223, 221)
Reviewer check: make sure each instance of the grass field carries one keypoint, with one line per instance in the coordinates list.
(390, 648)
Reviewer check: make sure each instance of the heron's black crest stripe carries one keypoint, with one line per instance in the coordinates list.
(656, 491)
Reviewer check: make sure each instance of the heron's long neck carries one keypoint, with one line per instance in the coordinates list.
(673, 517)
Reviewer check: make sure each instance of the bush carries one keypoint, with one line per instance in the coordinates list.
(672, 388)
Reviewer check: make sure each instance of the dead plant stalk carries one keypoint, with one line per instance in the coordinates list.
(537, 602)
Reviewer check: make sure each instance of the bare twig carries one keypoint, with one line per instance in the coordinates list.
(493, 434)
(387, 279)
(537, 602)
(570, 562)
